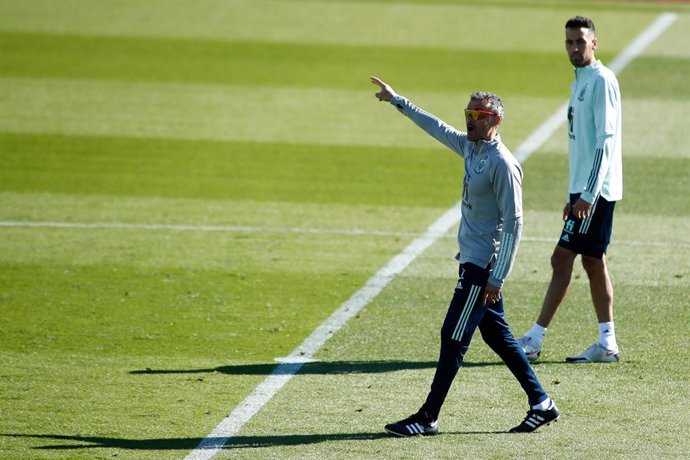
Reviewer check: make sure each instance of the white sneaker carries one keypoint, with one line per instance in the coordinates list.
(595, 354)
(530, 348)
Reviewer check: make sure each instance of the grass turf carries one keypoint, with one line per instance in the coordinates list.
(136, 341)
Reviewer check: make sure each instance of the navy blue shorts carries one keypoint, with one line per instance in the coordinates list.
(590, 236)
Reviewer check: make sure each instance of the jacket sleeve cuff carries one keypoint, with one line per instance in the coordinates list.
(588, 197)
(495, 282)
(399, 102)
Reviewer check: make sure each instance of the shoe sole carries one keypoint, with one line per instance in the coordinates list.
(542, 425)
(587, 361)
(404, 435)
(549, 423)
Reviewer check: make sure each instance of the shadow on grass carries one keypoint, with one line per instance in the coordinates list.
(237, 442)
(334, 367)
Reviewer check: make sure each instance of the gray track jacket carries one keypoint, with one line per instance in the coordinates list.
(491, 223)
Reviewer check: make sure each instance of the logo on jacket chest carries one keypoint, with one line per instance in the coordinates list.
(481, 166)
(581, 96)
(571, 118)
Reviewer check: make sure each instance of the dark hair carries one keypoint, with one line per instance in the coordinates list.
(490, 100)
(580, 21)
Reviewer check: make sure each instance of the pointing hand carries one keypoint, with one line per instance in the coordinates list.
(386, 93)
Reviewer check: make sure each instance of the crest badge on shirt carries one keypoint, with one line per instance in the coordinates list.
(581, 96)
(481, 166)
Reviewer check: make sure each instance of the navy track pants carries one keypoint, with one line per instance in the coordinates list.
(465, 313)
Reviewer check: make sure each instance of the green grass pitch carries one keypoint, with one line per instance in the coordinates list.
(189, 189)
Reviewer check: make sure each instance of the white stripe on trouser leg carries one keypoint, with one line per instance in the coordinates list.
(467, 309)
(475, 291)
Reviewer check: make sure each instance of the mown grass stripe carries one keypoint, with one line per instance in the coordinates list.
(315, 116)
(342, 22)
(302, 230)
(219, 170)
(292, 65)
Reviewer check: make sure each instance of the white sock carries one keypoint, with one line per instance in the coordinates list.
(537, 333)
(545, 404)
(607, 336)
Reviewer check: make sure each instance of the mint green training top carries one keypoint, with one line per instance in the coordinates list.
(594, 131)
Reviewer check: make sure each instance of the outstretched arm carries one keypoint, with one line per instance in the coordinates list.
(437, 128)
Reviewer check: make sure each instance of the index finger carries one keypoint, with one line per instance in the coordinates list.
(376, 81)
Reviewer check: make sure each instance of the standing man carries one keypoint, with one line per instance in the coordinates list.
(488, 239)
(596, 183)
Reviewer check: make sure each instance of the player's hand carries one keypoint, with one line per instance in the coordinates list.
(386, 93)
(491, 294)
(566, 212)
(582, 209)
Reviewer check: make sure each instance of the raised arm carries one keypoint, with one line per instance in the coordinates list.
(437, 128)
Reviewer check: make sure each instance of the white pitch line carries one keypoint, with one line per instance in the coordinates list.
(203, 228)
(227, 428)
(637, 46)
(306, 230)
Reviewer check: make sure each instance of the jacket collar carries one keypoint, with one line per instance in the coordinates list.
(588, 70)
(481, 142)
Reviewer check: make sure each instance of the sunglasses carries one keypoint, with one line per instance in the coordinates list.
(478, 114)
